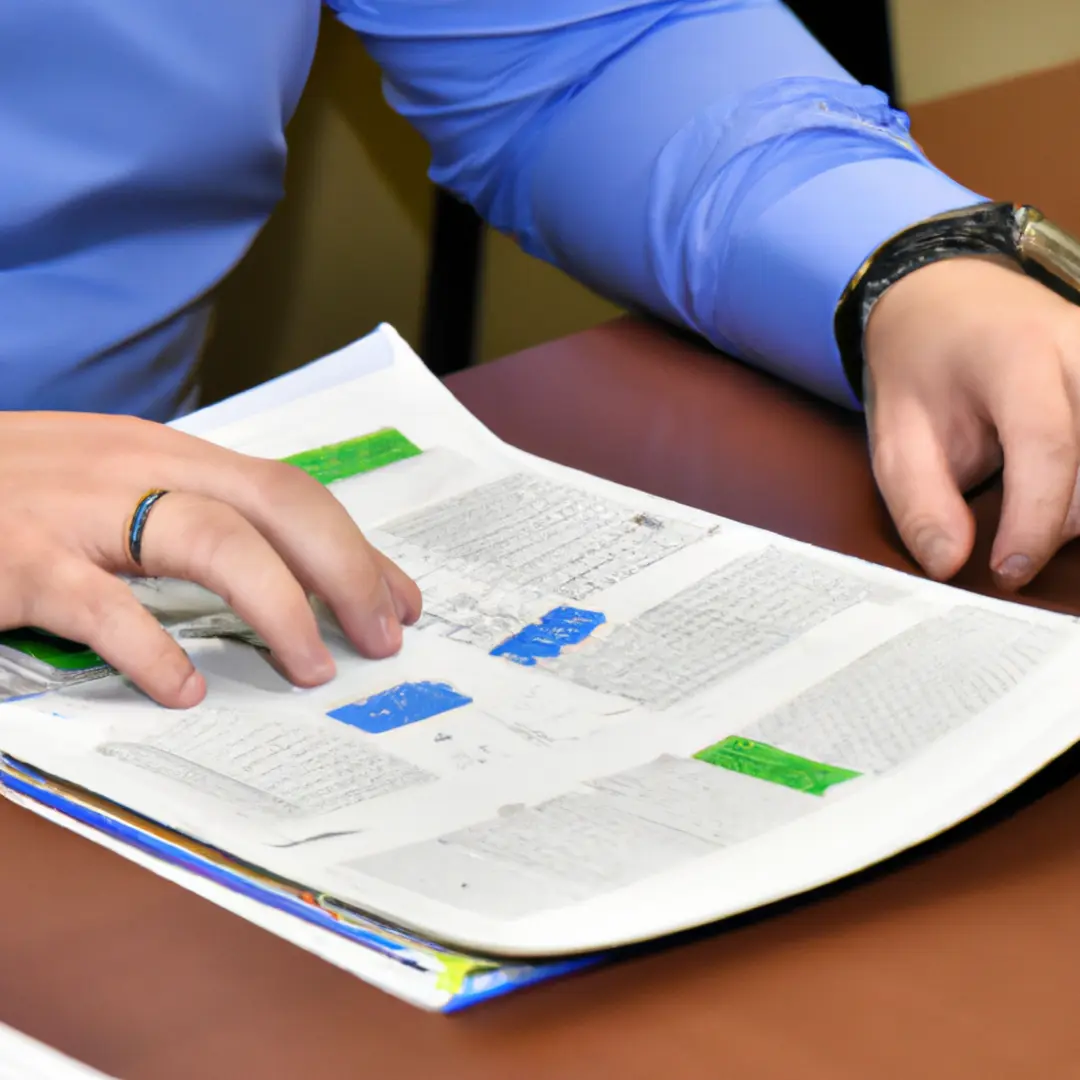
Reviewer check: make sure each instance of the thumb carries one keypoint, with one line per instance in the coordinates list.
(911, 466)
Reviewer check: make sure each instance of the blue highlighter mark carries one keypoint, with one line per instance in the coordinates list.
(399, 706)
(547, 638)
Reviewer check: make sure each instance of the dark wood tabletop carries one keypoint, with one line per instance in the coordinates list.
(959, 962)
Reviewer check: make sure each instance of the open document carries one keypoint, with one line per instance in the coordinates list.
(618, 717)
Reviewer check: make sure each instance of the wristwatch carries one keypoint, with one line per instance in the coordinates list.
(1041, 249)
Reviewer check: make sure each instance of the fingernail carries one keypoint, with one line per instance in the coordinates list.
(935, 552)
(390, 632)
(192, 688)
(318, 668)
(1014, 569)
(321, 665)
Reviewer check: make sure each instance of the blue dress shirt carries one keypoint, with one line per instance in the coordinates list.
(706, 160)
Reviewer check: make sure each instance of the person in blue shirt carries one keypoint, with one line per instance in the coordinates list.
(705, 160)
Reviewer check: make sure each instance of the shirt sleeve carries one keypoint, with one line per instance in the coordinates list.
(707, 160)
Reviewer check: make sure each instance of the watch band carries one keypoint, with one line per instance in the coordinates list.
(1043, 250)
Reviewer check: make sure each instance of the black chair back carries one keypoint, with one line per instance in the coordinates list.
(856, 32)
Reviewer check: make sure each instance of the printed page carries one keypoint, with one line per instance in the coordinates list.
(23, 1058)
(618, 717)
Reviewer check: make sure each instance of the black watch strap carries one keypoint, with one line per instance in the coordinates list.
(1042, 250)
(986, 229)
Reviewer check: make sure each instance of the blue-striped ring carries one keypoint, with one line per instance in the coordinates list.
(137, 525)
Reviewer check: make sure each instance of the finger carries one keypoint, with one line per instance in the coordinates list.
(1038, 434)
(408, 601)
(82, 602)
(198, 539)
(309, 528)
(328, 553)
(913, 472)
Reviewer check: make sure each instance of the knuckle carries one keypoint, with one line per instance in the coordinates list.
(212, 537)
(121, 436)
(279, 486)
(223, 551)
(122, 426)
(137, 428)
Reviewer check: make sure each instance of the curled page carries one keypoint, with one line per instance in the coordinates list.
(618, 718)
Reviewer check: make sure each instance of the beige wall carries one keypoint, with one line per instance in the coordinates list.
(946, 46)
(348, 247)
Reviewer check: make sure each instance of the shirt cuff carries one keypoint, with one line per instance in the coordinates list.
(785, 272)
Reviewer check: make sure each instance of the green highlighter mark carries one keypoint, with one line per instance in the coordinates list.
(776, 766)
(341, 460)
(56, 652)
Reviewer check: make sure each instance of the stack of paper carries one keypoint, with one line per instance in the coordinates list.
(32, 660)
(618, 718)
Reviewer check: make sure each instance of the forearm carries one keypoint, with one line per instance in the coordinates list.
(708, 161)
(743, 195)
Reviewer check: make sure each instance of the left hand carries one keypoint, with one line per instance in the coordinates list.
(970, 366)
(261, 534)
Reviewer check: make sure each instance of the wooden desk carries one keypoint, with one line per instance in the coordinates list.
(960, 963)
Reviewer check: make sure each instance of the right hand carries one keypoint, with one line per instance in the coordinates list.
(972, 366)
(260, 534)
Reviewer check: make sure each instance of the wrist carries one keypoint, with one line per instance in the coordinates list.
(954, 287)
(1000, 232)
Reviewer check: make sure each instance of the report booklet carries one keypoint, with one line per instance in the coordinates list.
(617, 719)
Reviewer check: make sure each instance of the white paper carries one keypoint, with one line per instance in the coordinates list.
(361, 358)
(23, 1058)
(537, 772)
